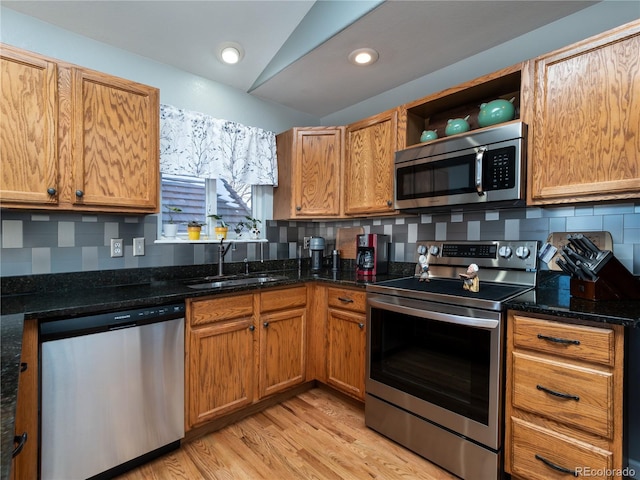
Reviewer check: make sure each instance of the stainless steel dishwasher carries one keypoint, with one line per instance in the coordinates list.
(112, 391)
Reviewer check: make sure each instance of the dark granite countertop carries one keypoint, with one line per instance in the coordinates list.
(552, 297)
(76, 294)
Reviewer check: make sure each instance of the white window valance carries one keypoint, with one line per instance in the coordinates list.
(195, 144)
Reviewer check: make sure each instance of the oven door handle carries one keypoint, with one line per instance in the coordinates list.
(483, 323)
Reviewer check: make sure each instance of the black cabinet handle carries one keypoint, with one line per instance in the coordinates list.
(345, 300)
(266, 324)
(252, 327)
(298, 208)
(20, 440)
(558, 340)
(389, 203)
(79, 193)
(568, 396)
(51, 191)
(23, 367)
(361, 325)
(556, 467)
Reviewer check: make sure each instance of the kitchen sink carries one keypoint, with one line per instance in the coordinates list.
(236, 281)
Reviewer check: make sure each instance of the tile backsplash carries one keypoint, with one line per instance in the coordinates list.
(38, 243)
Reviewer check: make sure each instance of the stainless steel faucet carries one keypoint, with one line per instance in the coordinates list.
(222, 251)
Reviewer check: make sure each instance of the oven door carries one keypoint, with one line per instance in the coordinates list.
(440, 362)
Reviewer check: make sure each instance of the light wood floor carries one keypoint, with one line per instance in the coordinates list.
(316, 435)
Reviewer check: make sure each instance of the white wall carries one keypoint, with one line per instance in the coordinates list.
(583, 24)
(177, 87)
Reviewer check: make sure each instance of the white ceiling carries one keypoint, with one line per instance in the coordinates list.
(296, 50)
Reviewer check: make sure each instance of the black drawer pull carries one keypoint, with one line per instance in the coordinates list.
(23, 367)
(558, 394)
(556, 467)
(564, 341)
(20, 440)
(345, 300)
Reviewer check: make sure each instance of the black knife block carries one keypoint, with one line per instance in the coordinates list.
(614, 282)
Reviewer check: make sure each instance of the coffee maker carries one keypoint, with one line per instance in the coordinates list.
(372, 254)
(316, 246)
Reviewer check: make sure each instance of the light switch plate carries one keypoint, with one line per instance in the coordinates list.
(117, 247)
(138, 246)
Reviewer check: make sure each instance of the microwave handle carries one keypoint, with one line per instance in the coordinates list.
(479, 161)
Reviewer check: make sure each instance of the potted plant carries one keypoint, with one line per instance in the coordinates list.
(171, 229)
(254, 226)
(193, 229)
(221, 227)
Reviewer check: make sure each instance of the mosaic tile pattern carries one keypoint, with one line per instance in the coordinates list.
(37, 243)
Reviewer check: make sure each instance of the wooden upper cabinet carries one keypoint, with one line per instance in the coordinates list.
(115, 150)
(309, 173)
(76, 139)
(371, 147)
(585, 141)
(28, 128)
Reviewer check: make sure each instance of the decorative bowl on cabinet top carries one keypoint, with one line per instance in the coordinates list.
(496, 111)
(428, 135)
(457, 125)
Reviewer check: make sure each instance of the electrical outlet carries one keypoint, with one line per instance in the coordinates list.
(138, 246)
(306, 242)
(117, 247)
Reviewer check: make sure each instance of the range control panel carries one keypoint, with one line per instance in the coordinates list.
(505, 254)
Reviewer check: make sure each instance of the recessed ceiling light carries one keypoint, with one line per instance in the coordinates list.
(230, 53)
(363, 56)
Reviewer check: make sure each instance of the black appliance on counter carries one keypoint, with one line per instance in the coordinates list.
(372, 254)
(435, 369)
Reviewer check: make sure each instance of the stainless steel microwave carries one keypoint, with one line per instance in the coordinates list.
(485, 167)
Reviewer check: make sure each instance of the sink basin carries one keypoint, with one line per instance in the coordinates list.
(236, 282)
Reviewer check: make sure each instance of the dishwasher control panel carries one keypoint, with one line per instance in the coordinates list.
(113, 320)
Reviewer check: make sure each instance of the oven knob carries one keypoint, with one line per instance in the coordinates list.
(434, 250)
(522, 252)
(505, 252)
(422, 249)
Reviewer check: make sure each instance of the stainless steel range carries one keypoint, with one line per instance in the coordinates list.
(435, 368)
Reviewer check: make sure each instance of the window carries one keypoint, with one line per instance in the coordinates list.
(197, 198)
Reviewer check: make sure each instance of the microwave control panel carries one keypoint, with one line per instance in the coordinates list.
(499, 169)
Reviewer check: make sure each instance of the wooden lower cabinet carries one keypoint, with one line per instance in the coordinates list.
(564, 398)
(282, 358)
(25, 465)
(346, 340)
(220, 358)
(242, 348)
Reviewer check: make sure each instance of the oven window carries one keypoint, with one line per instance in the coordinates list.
(442, 363)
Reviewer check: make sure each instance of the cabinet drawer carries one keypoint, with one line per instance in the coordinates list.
(590, 344)
(219, 309)
(576, 396)
(347, 299)
(283, 299)
(533, 445)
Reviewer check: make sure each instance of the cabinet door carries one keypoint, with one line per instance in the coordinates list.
(282, 350)
(586, 129)
(115, 147)
(346, 341)
(221, 369)
(318, 156)
(28, 128)
(371, 147)
(25, 464)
